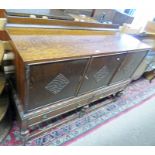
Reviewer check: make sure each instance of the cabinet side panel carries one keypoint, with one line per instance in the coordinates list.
(20, 77)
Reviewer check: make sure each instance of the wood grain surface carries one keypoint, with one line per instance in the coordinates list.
(4, 35)
(27, 20)
(47, 45)
(54, 31)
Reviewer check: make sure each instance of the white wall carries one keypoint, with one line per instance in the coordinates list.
(142, 16)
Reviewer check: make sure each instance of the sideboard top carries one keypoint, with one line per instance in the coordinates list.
(56, 46)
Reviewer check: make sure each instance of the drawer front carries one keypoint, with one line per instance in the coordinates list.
(68, 106)
(53, 82)
(100, 71)
(128, 67)
(110, 90)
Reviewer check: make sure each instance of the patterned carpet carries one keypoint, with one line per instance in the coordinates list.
(136, 94)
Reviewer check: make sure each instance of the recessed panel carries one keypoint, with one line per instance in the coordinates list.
(128, 67)
(100, 71)
(53, 82)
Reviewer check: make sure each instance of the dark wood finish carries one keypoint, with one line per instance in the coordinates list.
(59, 70)
(25, 20)
(54, 82)
(72, 117)
(4, 36)
(66, 106)
(4, 104)
(69, 46)
(34, 118)
(42, 30)
(2, 13)
(5, 125)
(2, 82)
(130, 64)
(20, 70)
(100, 71)
(93, 13)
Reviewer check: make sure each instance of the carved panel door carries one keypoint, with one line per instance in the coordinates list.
(100, 71)
(52, 82)
(128, 67)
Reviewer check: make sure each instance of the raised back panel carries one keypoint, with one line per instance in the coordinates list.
(128, 67)
(100, 71)
(52, 82)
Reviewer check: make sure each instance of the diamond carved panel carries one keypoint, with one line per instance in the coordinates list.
(57, 84)
(101, 73)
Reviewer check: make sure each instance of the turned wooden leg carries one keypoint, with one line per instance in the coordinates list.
(119, 94)
(83, 111)
(116, 96)
(24, 131)
(24, 136)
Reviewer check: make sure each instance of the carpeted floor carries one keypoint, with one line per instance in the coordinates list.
(135, 95)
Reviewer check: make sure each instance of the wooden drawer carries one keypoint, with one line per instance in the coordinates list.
(110, 90)
(61, 109)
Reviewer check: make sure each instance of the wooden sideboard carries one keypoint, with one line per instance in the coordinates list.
(65, 66)
(58, 71)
